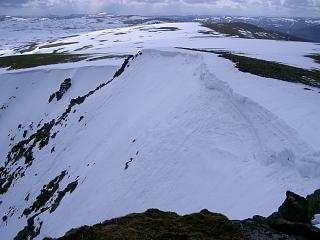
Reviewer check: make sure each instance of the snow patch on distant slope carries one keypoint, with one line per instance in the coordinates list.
(129, 40)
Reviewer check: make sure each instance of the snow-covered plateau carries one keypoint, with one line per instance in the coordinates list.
(167, 128)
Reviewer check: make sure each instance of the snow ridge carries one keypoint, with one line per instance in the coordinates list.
(265, 126)
(167, 134)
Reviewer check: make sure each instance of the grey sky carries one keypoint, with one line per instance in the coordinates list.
(307, 8)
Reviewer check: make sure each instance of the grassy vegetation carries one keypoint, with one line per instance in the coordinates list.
(107, 57)
(84, 48)
(290, 222)
(157, 225)
(35, 60)
(168, 28)
(315, 57)
(270, 69)
(52, 45)
(161, 29)
(274, 70)
(28, 48)
(120, 33)
(208, 32)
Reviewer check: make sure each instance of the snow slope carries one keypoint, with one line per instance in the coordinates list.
(130, 40)
(188, 141)
(172, 129)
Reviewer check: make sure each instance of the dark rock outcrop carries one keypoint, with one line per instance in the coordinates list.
(298, 209)
(313, 204)
(259, 228)
(64, 87)
(291, 221)
(293, 209)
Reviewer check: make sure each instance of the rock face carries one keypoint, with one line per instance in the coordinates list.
(298, 209)
(313, 204)
(291, 222)
(293, 209)
(294, 217)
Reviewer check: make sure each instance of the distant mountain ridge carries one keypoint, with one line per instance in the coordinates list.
(303, 28)
(299, 28)
(248, 30)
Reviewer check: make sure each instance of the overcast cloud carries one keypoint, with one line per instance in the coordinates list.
(296, 8)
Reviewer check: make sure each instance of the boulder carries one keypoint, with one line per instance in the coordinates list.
(293, 209)
(313, 203)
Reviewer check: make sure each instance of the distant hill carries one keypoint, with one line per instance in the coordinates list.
(301, 28)
(247, 30)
